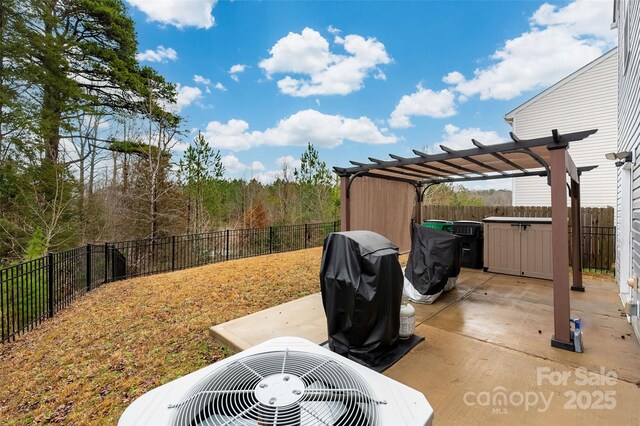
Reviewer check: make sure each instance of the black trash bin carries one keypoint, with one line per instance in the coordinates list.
(361, 282)
(472, 242)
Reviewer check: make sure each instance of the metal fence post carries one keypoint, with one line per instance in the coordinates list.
(227, 233)
(50, 282)
(335, 223)
(113, 261)
(88, 268)
(270, 239)
(305, 235)
(173, 253)
(106, 263)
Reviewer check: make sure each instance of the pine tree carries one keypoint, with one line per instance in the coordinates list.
(315, 182)
(81, 56)
(199, 167)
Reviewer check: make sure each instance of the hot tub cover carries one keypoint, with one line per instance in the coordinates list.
(434, 258)
(361, 282)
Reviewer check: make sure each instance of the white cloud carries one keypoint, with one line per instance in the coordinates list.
(308, 126)
(560, 41)
(424, 103)
(582, 18)
(268, 177)
(454, 77)
(185, 97)
(207, 83)
(379, 75)
(257, 165)
(201, 80)
(320, 71)
(285, 165)
(161, 54)
(179, 13)
(333, 30)
(233, 165)
(288, 161)
(457, 138)
(237, 69)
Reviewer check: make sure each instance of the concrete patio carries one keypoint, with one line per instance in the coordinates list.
(491, 337)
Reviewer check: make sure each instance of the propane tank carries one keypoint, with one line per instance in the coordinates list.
(407, 319)
(577, 334)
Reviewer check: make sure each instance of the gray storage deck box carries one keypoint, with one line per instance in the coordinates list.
(518, 246)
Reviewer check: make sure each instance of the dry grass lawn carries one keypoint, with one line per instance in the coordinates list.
(88, 363)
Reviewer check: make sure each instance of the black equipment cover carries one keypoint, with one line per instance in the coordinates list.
(361, 282)
(434, 258)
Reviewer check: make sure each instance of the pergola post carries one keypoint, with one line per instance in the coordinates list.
(576, 237)
(560, 249)
(419, 199)
(345, 208)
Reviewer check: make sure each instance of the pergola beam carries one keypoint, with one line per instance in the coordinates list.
(469, 159)
(571, 168)
(407, 170)
(486, 166)
(498, 156)
(559, 140)
(549, 153)
(458, 167)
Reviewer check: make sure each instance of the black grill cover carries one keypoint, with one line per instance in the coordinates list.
(361, 281)
(435, 256)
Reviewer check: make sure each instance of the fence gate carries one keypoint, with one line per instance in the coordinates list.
(118, 264)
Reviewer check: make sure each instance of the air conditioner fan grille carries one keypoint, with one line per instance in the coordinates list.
(280, 388)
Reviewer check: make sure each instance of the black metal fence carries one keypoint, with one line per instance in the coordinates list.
(598, 245)
(35, 290)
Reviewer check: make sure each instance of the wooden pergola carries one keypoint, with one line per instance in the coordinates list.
(547, 156)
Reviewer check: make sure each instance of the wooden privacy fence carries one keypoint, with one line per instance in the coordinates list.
(598, 233)
(591, 216)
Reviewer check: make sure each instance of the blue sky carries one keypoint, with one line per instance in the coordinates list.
(359, 79)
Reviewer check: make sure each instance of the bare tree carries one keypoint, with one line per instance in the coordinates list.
(46, 215)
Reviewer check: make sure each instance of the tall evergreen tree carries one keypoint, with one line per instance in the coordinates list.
(315, 182)
(81, 56)
(13, 107)
(197, 169)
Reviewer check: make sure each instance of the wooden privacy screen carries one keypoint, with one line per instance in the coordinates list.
(590, 216)
(385, 207)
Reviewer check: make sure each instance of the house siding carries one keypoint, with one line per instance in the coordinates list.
(585, 102)
(629, 132)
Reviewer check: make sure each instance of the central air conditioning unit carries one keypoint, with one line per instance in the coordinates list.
(284, 381)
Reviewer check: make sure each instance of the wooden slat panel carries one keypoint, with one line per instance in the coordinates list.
(591, 216)
(385, 207)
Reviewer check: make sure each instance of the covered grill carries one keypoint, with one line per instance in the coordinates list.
(433, 265)
(361, 282)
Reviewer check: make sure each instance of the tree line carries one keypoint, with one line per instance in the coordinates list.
(86, 135)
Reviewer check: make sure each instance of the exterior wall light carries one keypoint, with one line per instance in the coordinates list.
(621, 158)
